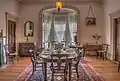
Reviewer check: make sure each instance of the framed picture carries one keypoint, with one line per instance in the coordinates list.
(90, 21)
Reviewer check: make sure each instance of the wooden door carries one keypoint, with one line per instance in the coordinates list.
(12, 35)
(117, 37)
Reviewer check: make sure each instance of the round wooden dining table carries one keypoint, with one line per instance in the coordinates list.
(46, 55)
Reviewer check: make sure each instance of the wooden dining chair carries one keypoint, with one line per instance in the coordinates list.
(59, 66)
(103, 52)
(118, 64)
(11, 56)
(35, 59)
(75, 62)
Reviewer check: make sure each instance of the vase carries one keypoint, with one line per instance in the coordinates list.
(59, 50)
(96, 41)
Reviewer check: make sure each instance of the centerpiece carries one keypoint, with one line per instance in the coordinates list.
(59, 47)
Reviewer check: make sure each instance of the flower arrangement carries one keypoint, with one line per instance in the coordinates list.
(59, 47)
(96, 37)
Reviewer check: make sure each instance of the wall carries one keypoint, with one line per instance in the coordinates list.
(86, 32)
(31, 12)
(110, 6)
(10, 6)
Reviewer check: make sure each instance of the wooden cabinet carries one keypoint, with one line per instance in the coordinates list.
(24, 48)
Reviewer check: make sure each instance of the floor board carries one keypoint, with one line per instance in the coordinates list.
(107, 68)
(11, 71)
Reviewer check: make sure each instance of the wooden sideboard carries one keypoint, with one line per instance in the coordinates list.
(24, 48)
(92, 47)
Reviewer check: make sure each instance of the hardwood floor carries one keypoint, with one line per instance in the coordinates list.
(11, 71)
(108, 69)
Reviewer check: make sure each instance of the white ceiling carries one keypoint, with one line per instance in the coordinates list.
(53, 1)
(57, 0)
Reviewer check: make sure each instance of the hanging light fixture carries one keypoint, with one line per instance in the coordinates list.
(58, 5)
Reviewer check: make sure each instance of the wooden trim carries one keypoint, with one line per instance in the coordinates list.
(113, 16)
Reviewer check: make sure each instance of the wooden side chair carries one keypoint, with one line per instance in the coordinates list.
(59, 66)
(103, 52)
(35, 59)
(36, 49)
(11, 56)
(118, 64)
(76, 61)
(83, 51)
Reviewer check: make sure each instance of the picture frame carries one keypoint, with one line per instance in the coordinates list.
(28, 29)
(90, 21)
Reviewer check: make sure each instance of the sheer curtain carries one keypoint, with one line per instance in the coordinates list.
(52, 38)
(47, 20)
(58, 28)
(67, 35)
(72, 26)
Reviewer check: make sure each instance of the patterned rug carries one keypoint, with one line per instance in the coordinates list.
(86, 73)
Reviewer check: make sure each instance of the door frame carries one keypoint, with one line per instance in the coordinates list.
(116, 39)
(113, 46)
(11, 17)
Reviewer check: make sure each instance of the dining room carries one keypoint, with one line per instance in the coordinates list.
(59, 40)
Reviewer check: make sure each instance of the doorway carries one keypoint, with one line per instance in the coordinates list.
(117, 38)
(12, 35)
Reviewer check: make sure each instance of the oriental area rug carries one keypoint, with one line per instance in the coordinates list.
(86, 73)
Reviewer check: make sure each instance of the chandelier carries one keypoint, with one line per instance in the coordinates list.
(58, 5)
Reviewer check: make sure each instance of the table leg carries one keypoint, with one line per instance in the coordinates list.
(45, 71)
(69, 71)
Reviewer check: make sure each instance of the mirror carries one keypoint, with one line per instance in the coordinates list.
(28, 29)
